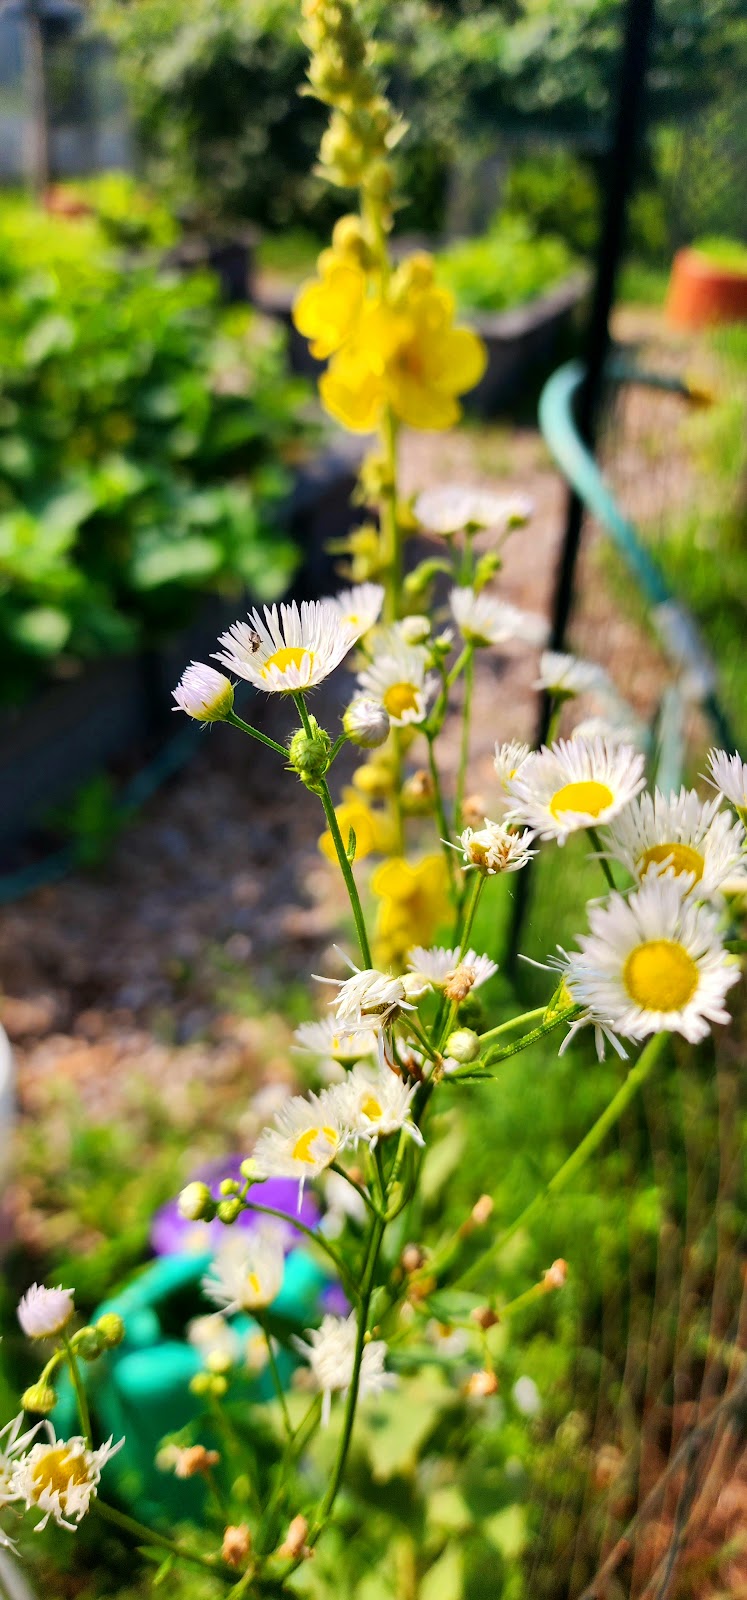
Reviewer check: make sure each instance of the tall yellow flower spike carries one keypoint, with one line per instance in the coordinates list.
(370, 829)
(327, 308)
(414, 902)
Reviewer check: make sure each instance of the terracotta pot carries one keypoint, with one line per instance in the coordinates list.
(701, 293)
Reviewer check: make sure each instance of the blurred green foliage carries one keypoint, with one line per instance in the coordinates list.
(507, 266)
(142, 434)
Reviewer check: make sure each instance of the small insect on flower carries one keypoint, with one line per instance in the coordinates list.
(575, 784)
(326, 1038)
(306, 1137)
(653, 963)
(567, 675)
(483, 620)
(330, 1352)
(679, 834)
(248, 1269)
(495, 848)
(298, 646)
(374, 1102)
(204, 693)
(440, 967)
(452, 508)
(60, 1478)
(399, 680)
(729, 775)
(43, 1313)
(360, 607)
(369, 999)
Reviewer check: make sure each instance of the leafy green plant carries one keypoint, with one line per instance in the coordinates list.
(142, 434)
(728, 254)
(507, 267)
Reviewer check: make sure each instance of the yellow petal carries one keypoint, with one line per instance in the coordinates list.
(420, 405)
(463, 359)
(326, 309)
(355, 398)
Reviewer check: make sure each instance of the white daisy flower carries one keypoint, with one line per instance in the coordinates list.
(288, 649)
(12, 1444)
(360, 607)
(43, 1313)
(567, 675)
(374, 1102)
(452, 508)
(652, 963)
(248, 1269)
(326, 1038)
(436, 965)
(414, 629)
(729, 775)
(213, 1337)
(482, 619)
(575, 784)
(399, 680)
(369, 999)
(330, 1352)
(60, 1478)
(509, 758)
(679, 834)
(495, 848)
(204, 693)
(306, 1137)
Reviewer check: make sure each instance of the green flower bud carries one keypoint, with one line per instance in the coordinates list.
(89, 1344)
(229, 1186)
(200, 1384)
(248, 1170)
(463, 1045)
(196, 1203)
(309, 755)
(41, 1397)
(111, 1328)
(228, 1210)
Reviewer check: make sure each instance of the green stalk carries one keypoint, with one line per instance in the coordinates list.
(591, 1142)
(469, 680)
(603, 862)
(146, 1535)
(513, 1022)
(81, 1398)
(441, 819)
(279, 1391)
(246, 727)
(334, 828)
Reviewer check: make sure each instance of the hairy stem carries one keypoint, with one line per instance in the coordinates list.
(342, 856)
(254, 733)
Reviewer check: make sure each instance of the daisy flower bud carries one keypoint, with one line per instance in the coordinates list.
(88, 1344)
(41, 1397)
(556, 1275)
(111, 1329)
(415, 629)
(366, 722)
(482, 1210)
(294, 1543)
(480, 1385)
(463, 1045)
(196, 1203)
(309, 755)
(43, 1313)
(205, 694)
(194, 1460)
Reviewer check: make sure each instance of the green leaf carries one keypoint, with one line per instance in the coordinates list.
(163, 1571)
(352, 841)
(186, 560)
(52, 335)
(445, 1579)
(507, 1530)
(393, 1435)
(441, 1160)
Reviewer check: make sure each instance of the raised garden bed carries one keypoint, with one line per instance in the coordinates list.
(71, 730)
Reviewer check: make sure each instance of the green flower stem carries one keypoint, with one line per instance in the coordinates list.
(277, 1384)
(146, 1535)
(334, 828)
(81, 1398)
(246, 727)
(513, 1022)
(603, 862)
(503, 1052)
(558, 701)
(391, 542)
(359, 1189)
(292, 1451)
(469, 680)
(417, 1032)
(577, 1160)
(441, 820)
(316, 1238)
(470, 908)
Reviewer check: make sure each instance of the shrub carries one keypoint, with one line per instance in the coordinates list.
(508, 266)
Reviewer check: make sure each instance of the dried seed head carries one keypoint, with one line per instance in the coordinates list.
(485, 1317)
(457, 984)
(294, 1543)
(412, 1257)
(195, 1460)
(556, 1275)
(237, 1543)
(481, 1384)
(482, 1210)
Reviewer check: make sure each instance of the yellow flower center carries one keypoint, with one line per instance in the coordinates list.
(56, 1470)
(681, 857)
(371, 1108)
(660, 975)
(302, 1148)
(589, 798)
(254, 1283)
(401, 697)
(291, 655)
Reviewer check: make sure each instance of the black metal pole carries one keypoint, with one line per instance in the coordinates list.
(619, 173)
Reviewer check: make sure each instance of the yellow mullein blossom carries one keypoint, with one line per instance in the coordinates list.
(326, 309)
(414, 902)
(370, 828)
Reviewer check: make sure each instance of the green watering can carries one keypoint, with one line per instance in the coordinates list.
(140, 1390)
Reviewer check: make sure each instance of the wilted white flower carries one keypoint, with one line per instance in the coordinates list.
(482, 619)
(288, 649)
(369, 999)
(373, 1102)
(495, 848)
(248, 1268)
(60, 1477)
(574, 785)
(398, 678)
(43, 1313)
(438, 964)
(360, 606)
(366, 722)
(679, 834)
(729, 774)
(567, 675)
(330, 1352)
(653, 963)
(204, 693)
